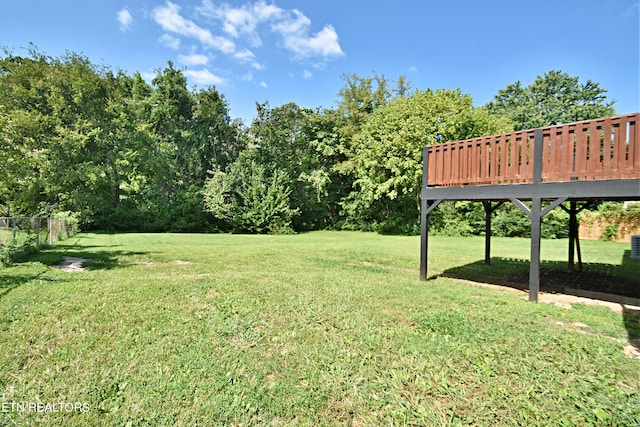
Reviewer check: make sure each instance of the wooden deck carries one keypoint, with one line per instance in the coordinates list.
(583, 161)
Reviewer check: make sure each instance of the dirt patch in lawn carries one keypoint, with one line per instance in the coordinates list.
(72, 264)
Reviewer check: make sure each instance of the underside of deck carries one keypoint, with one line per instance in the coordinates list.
(612, 189)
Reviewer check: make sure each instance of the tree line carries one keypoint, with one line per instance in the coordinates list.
(120, 153)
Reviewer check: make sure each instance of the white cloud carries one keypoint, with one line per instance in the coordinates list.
(148, 76)
(295, 31)
(169, 18)
(263, 84)
(242, 21)
(266, 11)
(205, 77)
(296, 24)
(193, 59)
(413, 68)
(170, 41)
(249, 57)
(125, 19)
(245, 55)
(324, 43)
(632, 10)
(240, 29)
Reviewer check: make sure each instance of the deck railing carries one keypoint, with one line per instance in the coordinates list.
(607, 148)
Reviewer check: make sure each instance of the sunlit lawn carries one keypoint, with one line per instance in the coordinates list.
(325, 328)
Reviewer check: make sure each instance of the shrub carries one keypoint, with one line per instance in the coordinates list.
(71, 218)
(610, 232)
(249, 199)
(10, 250)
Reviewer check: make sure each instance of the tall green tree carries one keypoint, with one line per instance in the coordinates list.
(359, 97)
(214, 141)
(322, 183)
(123, 153)
(388, 153)
(170, 114)
(305, 144)
(56, 119)
(553, 98)
(25, 126)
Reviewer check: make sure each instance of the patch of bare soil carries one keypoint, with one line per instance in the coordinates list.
(559, 299)
(632, 351)
(72, 264)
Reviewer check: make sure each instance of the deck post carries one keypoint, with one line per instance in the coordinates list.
(573, 228)
(574, 234)
(487, 232)
(536, 217)
(488, 210)
(424, 216)
(535, 214)
(534, 266)
(424, 240)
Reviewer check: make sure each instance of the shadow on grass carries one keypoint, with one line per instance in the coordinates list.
(98, 257)
(8, 282)
(614, 283)
(616, 280)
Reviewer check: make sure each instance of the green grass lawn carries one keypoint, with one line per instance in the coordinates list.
(325, 328)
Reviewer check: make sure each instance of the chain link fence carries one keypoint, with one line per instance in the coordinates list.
(21, 234)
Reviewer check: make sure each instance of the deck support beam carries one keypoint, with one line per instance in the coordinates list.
(488, 210)
(535, 214)
(427, 207)
(534, 265)
(574, 234)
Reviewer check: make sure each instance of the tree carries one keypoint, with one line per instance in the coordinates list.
(25, 123)
(214, 141)
(59, 129)
(170, 114)
(359, 98)
(322, 183)
(388, 153)
(126, 155)
(551, 99)
(302, 143)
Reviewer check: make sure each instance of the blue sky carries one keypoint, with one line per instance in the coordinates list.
(296, 50)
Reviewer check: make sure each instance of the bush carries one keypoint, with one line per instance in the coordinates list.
(72, 220)
(6, 253)
(249, 200)
(610, 233)
(555, 225)
(617, 220)
(10, 250)
(453, 218)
